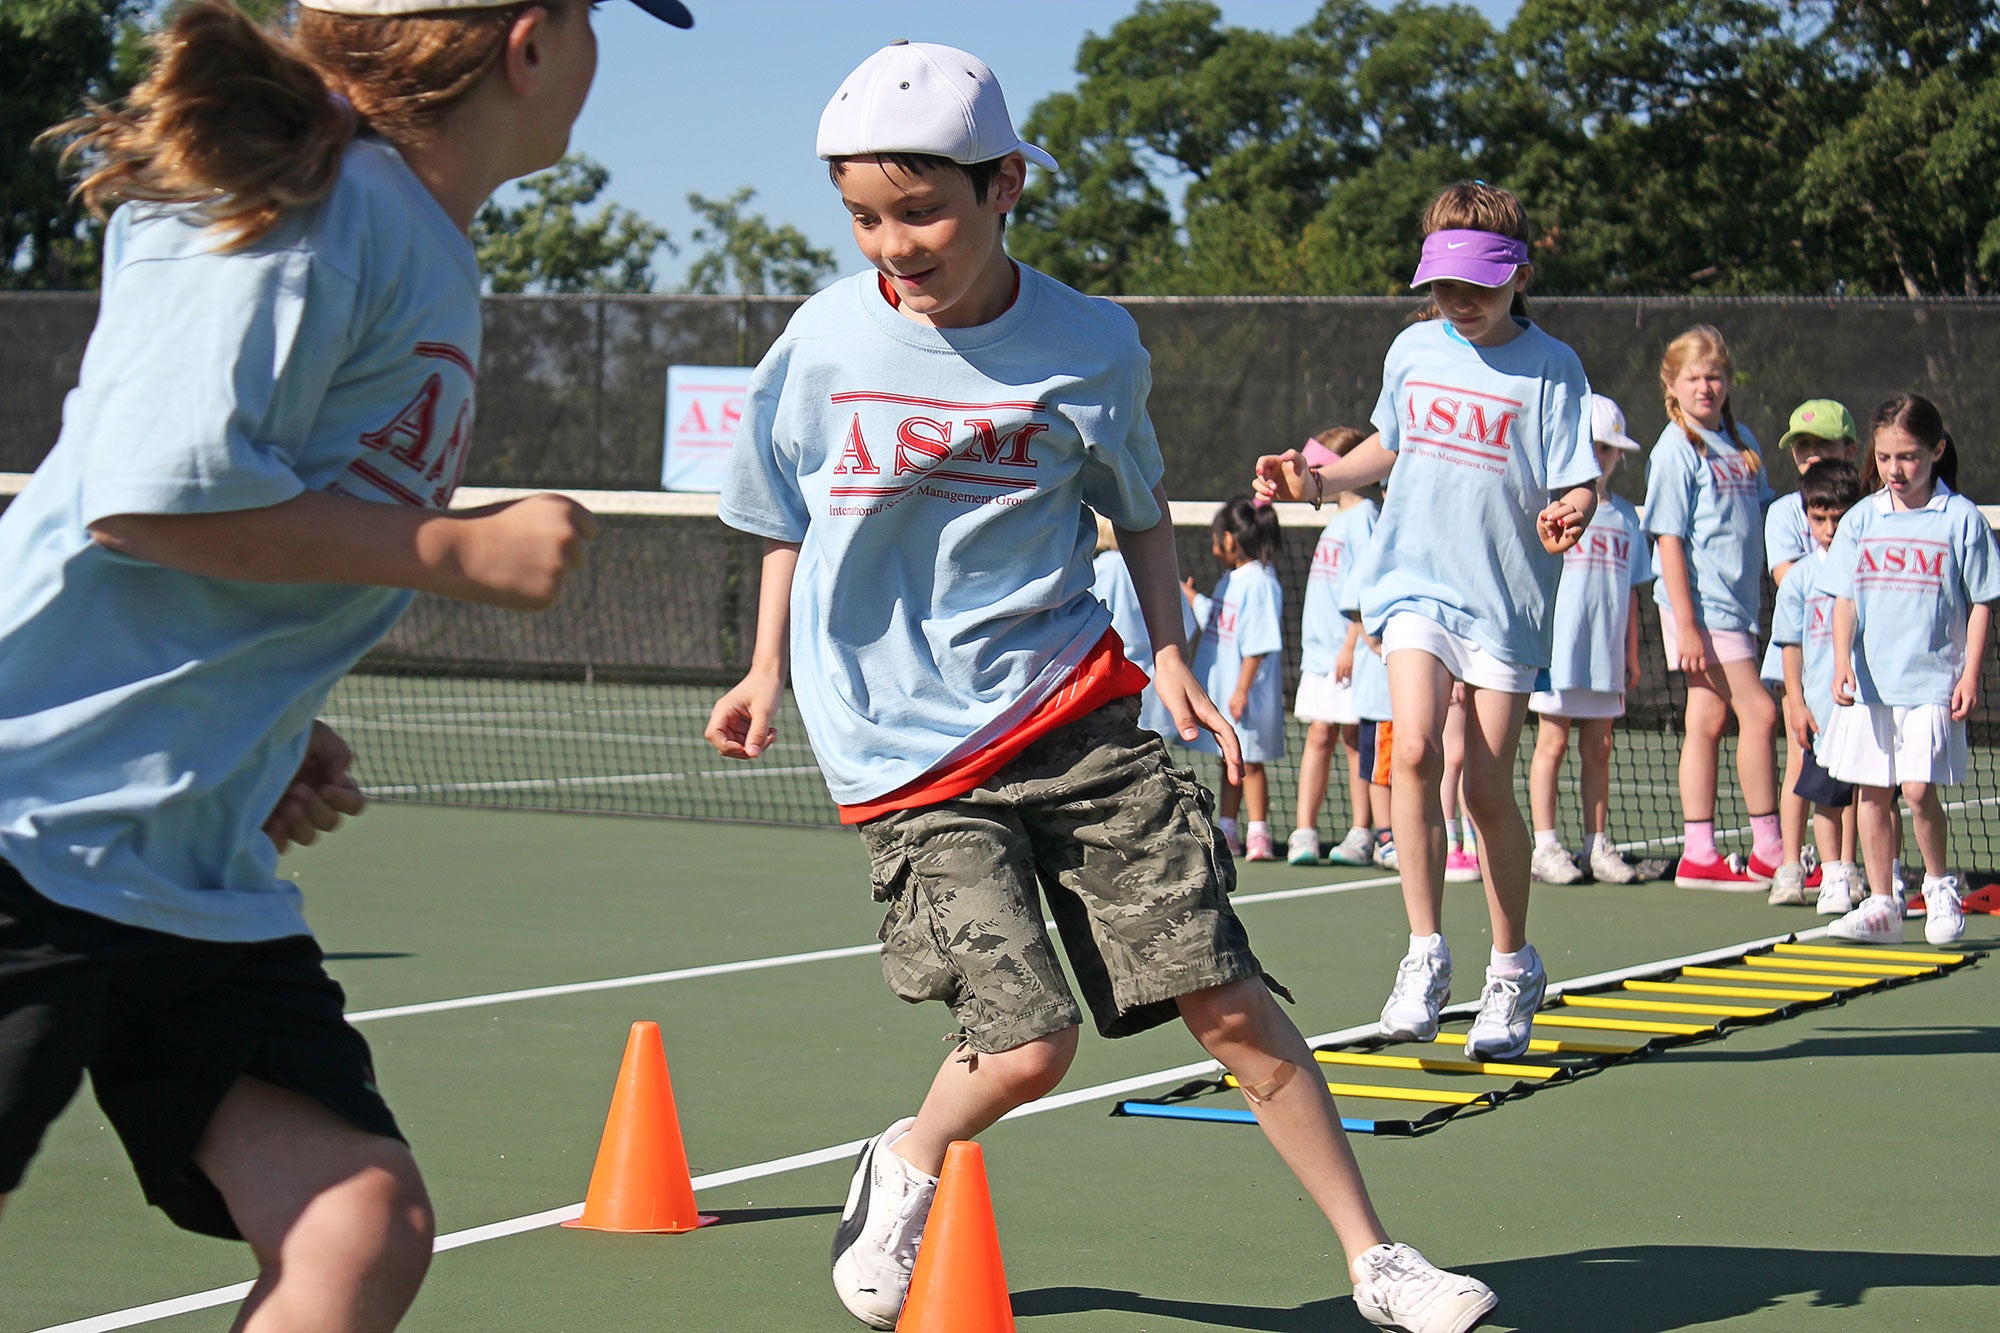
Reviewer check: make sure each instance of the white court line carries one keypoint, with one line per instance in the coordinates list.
(755, 964)
(202, 1300)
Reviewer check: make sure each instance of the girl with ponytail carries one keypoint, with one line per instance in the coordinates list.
(1706, 493)
(249, 485)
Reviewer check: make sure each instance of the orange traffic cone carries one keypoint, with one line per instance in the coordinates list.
(640, 1182)
(959, 1285)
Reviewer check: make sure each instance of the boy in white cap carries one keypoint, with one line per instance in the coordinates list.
(918, 452)
(1596, 661)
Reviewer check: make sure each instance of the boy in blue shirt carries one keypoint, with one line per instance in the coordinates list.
(1802, 630)
(917, 452)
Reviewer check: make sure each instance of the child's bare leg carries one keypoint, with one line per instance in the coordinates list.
(1832, 833)
(1876, 820)
(1256, 792)
(337, 1217)
(1451, 787)
(1419, 695)
(1849, 837)
(1545, 769)
(1793, 808)
(1756, 735)
(1241, 1025)
(1597, 743)
(1361, 809)
(1932, 824)
(1707, 712)
(1315, 761)
(970, 1094)
(1229, 798)
(1492, 735)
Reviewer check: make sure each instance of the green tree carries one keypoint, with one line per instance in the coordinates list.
(53, 55)
(548, 244)
(747, 256)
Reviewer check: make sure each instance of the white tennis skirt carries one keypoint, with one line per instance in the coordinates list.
(1321, 698)
(1879, 745)
(1578, 703)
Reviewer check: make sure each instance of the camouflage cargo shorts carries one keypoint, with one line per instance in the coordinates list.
(1121, 844)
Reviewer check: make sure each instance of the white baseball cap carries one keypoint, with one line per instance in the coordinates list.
(1607, 424)
(919, 97)
(669, 11)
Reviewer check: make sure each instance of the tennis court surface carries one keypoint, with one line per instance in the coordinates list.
(1828, 1171)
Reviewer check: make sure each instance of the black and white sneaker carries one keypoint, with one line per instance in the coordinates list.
(875, 1245)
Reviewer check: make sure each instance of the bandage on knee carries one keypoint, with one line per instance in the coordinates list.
(1259, 1093)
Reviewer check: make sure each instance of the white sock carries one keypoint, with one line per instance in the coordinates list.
(1260, 826)
(1451, 835)
(1226, 824)
(1931, 881)
(1545, 837)
(1364, 830)
(1429, 946)
(1592, 841)
(1513, 964)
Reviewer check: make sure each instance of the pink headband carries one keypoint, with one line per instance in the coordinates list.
(1482, 258)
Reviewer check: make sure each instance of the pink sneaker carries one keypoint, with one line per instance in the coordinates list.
(1461, 866)
(1257, 846)
(1725, 873)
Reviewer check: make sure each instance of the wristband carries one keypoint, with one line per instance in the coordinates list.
(1319, 487)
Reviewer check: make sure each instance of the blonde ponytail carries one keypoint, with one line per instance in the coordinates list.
(248, 124)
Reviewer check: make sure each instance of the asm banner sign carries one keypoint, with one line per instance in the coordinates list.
(704, 403)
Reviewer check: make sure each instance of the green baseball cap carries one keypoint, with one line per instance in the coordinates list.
(1820, 418)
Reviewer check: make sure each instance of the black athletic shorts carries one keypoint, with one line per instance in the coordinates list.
(165, 1025)
(1820, 787)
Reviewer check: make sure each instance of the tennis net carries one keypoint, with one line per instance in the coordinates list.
(598, 706)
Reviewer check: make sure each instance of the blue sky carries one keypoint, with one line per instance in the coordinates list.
(735, 102)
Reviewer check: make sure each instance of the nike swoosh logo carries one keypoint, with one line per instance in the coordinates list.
(1456, 245)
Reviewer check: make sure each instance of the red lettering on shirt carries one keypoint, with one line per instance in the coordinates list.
(854, 455)
(960, 453)
(413, 464)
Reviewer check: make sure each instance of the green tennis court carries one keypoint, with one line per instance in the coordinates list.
(1828, 1171)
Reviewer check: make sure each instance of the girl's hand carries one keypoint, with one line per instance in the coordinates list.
(1281, 476)
(1187, 591)
(321, 793)
(1631, 671)
(1843, 683)
(1194, 712)
(1559, 526)
(1964, 697)
(1238, 701)
(1343, 664)
(1798, 719)
(1688, 648)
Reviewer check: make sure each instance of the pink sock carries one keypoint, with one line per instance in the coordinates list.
(1698, 840)
(1766, 841)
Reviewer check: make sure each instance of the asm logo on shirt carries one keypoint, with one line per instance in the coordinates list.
(416, 458)
(1222, 621)
(896, 445)
(1732, 475)
(1900, 564)
(1326, 560)
(1601, 550)
(1819, 619)
(1464, 427)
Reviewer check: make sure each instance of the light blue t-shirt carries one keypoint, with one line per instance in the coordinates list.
(1483, 436)
(1715, 504)
(1914, 576)
(150, 720)
(1112, 585)
(1322, 624)
(1594, 601)
(1802, 617)
(936, 480)
(1370, 684)
(1787, 536)
(1244, 618)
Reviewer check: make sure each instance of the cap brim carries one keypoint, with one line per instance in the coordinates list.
(1478, 272)
(1038, 156)
(668, 11)
(1795, 437)
(1625, 442)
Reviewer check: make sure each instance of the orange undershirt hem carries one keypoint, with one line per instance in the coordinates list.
(1103, 675)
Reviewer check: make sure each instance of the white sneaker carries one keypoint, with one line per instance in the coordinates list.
(1879, 920)
(1356, 849)
(1788, 886)
(1385, 853)
(1423, 984)
(1507, 1013)
(1552, 864)
(1944, 911)
(875, 1245)
(1302, 848)
(1836, 892)
(1608, 867)
(1399, 1288)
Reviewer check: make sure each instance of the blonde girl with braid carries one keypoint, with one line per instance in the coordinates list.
(1706, 493)
(249, 487)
